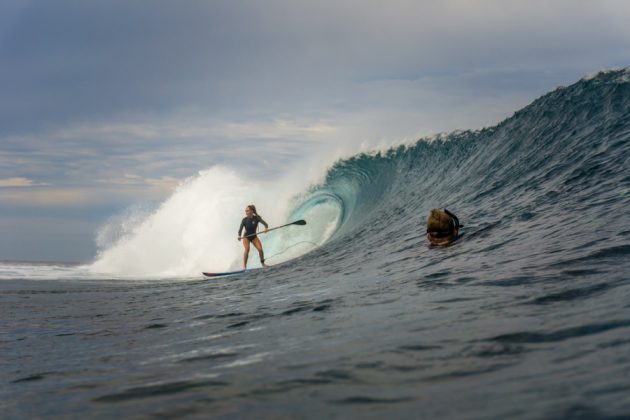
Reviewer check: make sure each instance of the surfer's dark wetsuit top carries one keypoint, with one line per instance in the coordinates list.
(250, 225)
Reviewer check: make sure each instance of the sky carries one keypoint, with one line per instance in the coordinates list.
(105, 105)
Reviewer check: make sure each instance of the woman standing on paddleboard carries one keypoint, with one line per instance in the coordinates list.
(250, 223)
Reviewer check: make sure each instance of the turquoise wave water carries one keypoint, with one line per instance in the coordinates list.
(560, 163)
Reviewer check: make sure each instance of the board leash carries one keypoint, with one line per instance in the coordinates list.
(286, 249)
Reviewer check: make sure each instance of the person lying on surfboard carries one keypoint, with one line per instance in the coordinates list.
(250, 224)
(442, 227)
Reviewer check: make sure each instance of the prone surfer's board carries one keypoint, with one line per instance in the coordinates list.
(229, 273)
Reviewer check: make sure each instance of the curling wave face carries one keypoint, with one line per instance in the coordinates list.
(528, 182)
(561, 159)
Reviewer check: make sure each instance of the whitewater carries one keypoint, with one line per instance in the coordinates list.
(192, 232)
(527, 315)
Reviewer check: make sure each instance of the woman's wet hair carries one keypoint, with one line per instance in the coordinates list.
(252, 208)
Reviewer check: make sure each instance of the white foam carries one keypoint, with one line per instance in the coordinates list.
(195, 229)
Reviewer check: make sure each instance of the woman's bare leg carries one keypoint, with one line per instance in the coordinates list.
(261, 254)
(246, 252)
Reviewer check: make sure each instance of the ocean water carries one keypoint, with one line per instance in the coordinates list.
(527, 315)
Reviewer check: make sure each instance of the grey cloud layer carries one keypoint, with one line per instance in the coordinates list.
(64, 61)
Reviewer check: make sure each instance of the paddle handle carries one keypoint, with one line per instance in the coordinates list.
(297, 222)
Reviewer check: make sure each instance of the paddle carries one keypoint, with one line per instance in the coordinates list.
(297, 222)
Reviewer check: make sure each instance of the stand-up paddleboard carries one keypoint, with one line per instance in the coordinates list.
(230, 273)
(234, 273)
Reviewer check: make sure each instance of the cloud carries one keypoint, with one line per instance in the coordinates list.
(127, 188)
(18, 182)
(82, 154)
(278, 69)
(181, 127)
(77, 197)
(144, 187)
(68, 62)
(48, 197)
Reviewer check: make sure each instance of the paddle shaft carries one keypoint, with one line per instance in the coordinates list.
(297, 222)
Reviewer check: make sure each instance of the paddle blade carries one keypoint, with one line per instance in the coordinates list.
(299, 222)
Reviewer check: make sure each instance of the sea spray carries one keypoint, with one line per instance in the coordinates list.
(195, 229)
